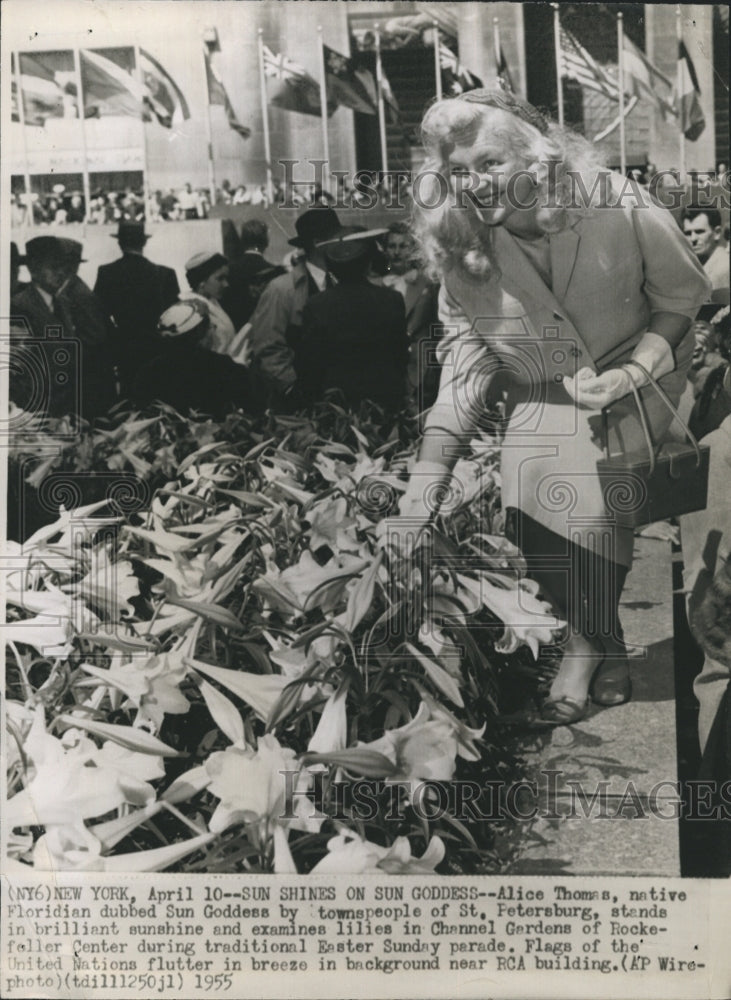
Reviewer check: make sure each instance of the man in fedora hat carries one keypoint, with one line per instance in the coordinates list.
(84, 315)
(354, 334)
(276, 323)
(134, 293)
(37, 313)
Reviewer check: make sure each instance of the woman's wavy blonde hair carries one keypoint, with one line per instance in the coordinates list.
(451, 236)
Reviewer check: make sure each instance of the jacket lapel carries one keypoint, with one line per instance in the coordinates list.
(518, 274)
(564, 250)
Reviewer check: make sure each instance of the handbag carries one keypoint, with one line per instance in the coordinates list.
(665, 481)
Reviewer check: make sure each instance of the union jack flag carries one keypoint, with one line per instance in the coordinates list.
(296, 89)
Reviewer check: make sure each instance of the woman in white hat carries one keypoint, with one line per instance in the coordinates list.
(207, 275)
(187, 375)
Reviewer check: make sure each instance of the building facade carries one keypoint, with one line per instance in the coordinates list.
(64, 145)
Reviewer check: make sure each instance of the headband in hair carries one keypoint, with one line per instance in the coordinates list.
(505, 101)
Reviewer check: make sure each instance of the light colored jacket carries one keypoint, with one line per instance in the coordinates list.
(278, 311)
(611, 269)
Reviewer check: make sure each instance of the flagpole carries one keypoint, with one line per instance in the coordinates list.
(145, 178)
(559, 61)
(679, 88)
(437, 64)
(80, 111)
(323, 108)
(209, 129)
(26, 172)
(496, 46)
(265, 118)
(381, 113)
(620, 83)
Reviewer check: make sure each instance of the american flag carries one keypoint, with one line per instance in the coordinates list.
(577, 64)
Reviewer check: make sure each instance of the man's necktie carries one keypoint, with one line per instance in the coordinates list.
(63, 311)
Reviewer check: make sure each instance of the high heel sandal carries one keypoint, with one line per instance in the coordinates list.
(611, 684)
(563, 711)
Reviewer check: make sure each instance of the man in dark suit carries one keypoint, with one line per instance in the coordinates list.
(238, 300)
(276, 322)
(84, 316)
(354, 335)
(44, 376)
(135, 292)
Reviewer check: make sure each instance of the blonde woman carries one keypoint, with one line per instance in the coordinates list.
(554, 280)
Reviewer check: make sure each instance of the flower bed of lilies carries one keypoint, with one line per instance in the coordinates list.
(239, 675)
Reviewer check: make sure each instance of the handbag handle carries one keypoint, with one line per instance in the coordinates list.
(643, 417)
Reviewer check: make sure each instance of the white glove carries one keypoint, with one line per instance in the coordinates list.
(655, 354)
(420, 498)
(416, 508)
(597, 391)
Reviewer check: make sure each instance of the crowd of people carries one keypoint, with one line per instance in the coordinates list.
(61, 206)
(427, 313)
(356, 298)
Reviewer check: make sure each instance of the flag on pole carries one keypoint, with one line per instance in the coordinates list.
(111, 87)
(579, 65)
(456, 78)
(217, 94)
(48, 86)
(14, 96)
(163, 97)
(502, 69)
(395, 33)
(345, 83)
(389, 99)
(108, 88)
(616, 122)
(644, 80)
(295, 89)
(687, 94)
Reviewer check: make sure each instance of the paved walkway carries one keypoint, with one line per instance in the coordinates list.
(630, 748)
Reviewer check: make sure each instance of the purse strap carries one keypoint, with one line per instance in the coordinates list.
(643, 417)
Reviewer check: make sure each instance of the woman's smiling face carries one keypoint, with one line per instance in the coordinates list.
(500, 185)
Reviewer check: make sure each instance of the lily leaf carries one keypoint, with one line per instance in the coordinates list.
(437, 675)
(133, 739)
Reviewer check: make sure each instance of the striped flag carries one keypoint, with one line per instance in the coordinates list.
(579, 65)
(644, 80)
(217, 94)
(110, 87)
(687, 94)
(295, 89)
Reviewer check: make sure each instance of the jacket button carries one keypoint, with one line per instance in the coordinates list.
(576, 352)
